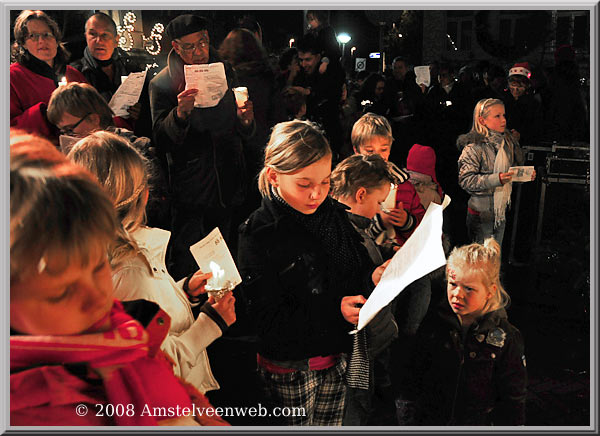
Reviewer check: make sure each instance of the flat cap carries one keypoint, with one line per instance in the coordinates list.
(184, 25)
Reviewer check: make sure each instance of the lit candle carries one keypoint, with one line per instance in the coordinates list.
(215, 282)
(63, 81)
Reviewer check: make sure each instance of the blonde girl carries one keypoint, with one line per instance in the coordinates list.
(471, 363)
(302, 261)
(137, 257)
(488, 152)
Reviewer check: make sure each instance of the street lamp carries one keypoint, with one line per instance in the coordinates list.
(343, 38)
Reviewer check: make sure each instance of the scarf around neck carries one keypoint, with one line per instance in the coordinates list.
(42, 68)
(119, 356)
(501, 165)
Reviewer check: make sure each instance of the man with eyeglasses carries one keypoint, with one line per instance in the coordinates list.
(203, 145)
(103, 65)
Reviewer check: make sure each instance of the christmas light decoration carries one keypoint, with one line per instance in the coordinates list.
(151, 43)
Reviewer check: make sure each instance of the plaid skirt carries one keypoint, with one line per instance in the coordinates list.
(312, 397)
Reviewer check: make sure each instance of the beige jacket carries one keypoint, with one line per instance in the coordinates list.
(188, 337)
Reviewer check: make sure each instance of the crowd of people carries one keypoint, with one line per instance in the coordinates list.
(315, 182)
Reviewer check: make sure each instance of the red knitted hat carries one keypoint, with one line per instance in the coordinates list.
(520, 69)
(421, 159)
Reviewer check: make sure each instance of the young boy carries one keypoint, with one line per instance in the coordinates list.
(372, 134)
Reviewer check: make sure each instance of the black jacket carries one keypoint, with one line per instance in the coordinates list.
(478, 380)
(283, 267)
(207, 164)
(123, 65)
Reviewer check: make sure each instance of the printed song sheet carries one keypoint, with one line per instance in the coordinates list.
(209, 80)
(420, 254)
(521, 174)
(128, 94)
(214, 248)
(423, 75)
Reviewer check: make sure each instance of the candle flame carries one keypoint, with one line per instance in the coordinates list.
(217, 274)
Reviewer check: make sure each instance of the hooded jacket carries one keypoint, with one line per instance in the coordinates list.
(206, 149)
(476, 170)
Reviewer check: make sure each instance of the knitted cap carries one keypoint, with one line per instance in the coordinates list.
(185, 25)
(421, 159)
(520, 69)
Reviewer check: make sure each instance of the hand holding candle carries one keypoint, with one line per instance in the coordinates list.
(217, 286)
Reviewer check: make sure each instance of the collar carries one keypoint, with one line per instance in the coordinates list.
(93, 63)
(151, 238)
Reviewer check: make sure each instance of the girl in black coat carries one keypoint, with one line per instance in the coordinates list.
(470, 368)
(302, 261)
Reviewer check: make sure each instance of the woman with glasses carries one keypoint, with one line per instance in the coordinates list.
(40, 67)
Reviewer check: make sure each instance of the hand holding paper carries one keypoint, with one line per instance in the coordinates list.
(522, 174)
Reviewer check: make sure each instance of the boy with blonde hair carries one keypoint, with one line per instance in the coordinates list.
(372, 134)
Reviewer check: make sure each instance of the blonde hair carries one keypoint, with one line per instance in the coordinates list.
(360, 171)
(483, 260)
(482, 109)
(293, 145)
(123, 172)
(367, 126)
(57, 208)
(78, 99)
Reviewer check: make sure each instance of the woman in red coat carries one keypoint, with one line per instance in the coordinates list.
(40, 66)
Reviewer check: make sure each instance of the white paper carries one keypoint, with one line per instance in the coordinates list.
(390, 201)
(128, 94)
(521, 174)
(209, 80)
(423, 75)
(214, 248)
(420, 254)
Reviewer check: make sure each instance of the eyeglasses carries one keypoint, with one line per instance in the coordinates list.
(45, 36)
(68, 130)
(187, 48)
(102, 36)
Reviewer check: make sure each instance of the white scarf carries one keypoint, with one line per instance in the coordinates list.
(501, 193)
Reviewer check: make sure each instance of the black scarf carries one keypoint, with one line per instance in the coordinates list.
(339, 239)
(42, 68)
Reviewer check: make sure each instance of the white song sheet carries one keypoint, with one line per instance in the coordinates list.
(214, 248)
(127, 94)
(521, 174)
(423, 75)
(209, 80)
(420, 254)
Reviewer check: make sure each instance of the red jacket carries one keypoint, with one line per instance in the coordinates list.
(29, 97)
(102, 378)
(421, 159)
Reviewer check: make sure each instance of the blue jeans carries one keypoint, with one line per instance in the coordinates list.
(479, 229)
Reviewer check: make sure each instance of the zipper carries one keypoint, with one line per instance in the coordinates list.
(460, 366)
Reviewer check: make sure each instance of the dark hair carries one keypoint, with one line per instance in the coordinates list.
(360, 171)
(321, 15)
(367, 89)
(106, 19)
(241, 46)
(293, 101)
(309, 43)
(400, 59)
(287, 57)
(249, 23)
(21, 32)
